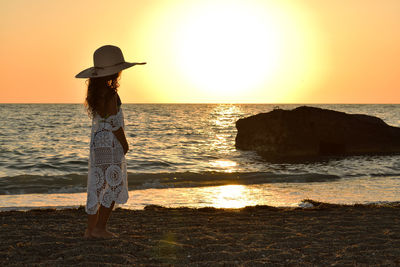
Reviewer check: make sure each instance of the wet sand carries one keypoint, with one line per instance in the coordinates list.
(359, 235)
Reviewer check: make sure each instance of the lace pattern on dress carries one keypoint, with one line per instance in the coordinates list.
(107, 176)
(114, 121)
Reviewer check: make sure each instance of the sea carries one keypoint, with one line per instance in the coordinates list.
(181, 155)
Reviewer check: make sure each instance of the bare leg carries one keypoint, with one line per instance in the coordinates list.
(100, 230)
(92, 222)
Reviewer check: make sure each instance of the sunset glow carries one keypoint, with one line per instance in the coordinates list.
(209, 51)
(228, 55)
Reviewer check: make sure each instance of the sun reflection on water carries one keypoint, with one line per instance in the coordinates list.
(225, 114)
(230, 196)
(223, 117)
(224, 165)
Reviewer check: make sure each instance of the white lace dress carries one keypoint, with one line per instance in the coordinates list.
(107, 177)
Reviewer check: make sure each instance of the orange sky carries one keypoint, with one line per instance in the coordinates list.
(205, 51)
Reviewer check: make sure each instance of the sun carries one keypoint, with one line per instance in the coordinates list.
(228, 49)
(231, 51)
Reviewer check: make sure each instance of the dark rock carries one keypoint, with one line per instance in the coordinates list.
(314, 132)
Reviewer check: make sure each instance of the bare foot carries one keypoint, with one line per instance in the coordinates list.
(102, 233)
(88, 234)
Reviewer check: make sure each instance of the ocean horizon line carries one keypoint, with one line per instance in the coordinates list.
(196, 103)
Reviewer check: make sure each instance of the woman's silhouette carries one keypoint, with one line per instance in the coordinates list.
(107, 177)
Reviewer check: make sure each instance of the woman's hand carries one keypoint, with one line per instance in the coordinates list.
(120, 135)
(126, 148)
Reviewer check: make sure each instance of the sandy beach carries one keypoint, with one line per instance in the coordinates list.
(326, 234)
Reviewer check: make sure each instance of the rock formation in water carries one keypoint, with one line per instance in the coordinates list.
(307, 132)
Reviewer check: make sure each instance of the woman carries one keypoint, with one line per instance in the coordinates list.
(107, 178)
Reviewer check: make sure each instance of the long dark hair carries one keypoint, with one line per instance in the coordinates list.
(98, 90)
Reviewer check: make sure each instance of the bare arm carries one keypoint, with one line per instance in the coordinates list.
(111, 108)
(120, 134)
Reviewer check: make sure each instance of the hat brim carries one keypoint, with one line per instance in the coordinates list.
(102, 72)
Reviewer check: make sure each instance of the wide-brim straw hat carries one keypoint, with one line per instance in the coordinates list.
(107, 60)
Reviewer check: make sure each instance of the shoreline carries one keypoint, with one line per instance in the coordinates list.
(325, 234)
(304, 204)
(344, 191)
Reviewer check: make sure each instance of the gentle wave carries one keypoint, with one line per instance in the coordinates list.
(163, 138)
(76, 183)
(172, 146)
